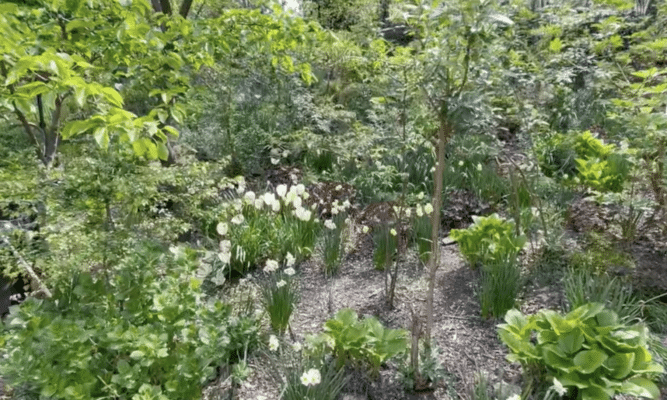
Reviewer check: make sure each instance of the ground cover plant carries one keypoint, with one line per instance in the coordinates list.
(326, 200)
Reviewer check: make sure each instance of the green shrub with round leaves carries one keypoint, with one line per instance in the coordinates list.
(588, 351)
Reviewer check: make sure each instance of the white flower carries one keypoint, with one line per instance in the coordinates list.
(250, 197)
(274, 161)
(311, 377)
(225, 257)
(281, 190)
(221, 229)
(290, 271)
(334, 210)
(329, 224)
(297, 347)
(514, 397)
(303, 214)
(339, 187)
(271, 266)
(305, 195)
(420, 210)
(364, 229)
(479, 167)
(281, 283)
(420, 196)
(559, 388)
(273, 343)
(460, 163)
(408, 212)
(392, 232)
(300, 189)
(346, 203)
(297, 202)
(238, 220)
(289, 259)
(428, 208)
(276, 206)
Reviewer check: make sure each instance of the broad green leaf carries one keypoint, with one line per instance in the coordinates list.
(620, 365)
(101, 136)
(163, 151)
(571, 342)
(137, 355)
(112, 96)
(594, 393)
(641, 387)
(588, 361)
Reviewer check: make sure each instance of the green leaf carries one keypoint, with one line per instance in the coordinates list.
(589, 360)
(640, 387)
(112, 96)
(571, 342)
(620, 365)
(503, 19)
(137, 355)
(556, 45)
(163, 151)
(101, 136)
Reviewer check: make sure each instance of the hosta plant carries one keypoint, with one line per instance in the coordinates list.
(589, 351)
(364, 343)
(489, 239)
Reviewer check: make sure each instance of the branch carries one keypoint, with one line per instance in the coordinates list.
(27, 127)
(466, 62)
(24, 263)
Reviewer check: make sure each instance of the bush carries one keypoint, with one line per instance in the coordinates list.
(143, 331)
(364, 343)
(588, 351)
(488, 240)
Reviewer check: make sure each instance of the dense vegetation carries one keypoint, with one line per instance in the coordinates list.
(167, 170)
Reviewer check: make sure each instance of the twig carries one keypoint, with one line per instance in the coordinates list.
(26, 266)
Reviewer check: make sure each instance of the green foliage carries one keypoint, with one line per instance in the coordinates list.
(588, 350)
(364, 343)
(488, 240)
(386, 242)
(331, 383)
(421, 235)
(333, 243)
(279, 297)
(499, 287)
(430, 368)
(255, 228)
(596, 165)
(141, 329)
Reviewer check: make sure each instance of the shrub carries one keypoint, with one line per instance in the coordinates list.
(143, 331)
(364, 343)
(488, 240)
(588, 351)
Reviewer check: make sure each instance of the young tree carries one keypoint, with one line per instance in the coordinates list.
(455, 57)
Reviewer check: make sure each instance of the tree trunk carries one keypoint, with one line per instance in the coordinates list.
(166, 6)
(157, 7)
(444, 133)
(185, 8)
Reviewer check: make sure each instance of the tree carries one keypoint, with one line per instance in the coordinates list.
(455, 62)
(68, 62)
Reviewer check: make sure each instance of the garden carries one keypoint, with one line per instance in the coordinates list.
(333, 199)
